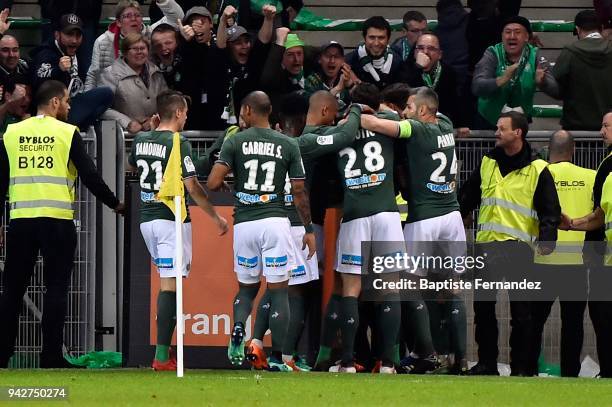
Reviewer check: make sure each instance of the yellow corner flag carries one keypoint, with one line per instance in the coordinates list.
(172, 180)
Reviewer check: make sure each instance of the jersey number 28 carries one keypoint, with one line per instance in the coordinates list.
(374, 161)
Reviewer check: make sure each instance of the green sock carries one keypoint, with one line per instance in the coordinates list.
(458, 327)
(263, 314)
(331, 322)
(423, 345)
(296, 323)
(243, 303)
(438, 327)
(350, 322)
(279, 317)
(389, 314)
(166, 321)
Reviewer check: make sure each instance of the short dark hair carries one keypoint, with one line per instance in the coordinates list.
(163, 28)
(413, 15)
(518, 121)
(397, 94)
(366, 94)
(258, 101)
(168, 102)
(293, 104)
(48, 90)
(587, 20)
(378, 22)
(428, 97)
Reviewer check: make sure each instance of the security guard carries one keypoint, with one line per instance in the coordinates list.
(518, 205)
(39, 160)
(598, 224)
(562, 273)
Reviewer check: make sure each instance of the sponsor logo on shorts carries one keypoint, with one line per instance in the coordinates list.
(164, 262)
(249, 199)
(351, 259)
(147, 196)
(298, 271)
(446, 188)
(366, 181)
(275, 261)
(247, 262)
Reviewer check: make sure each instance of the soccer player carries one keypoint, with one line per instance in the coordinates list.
(261, 159)
(429, 167)
(370, 214)
(150, 153)
(322, 107)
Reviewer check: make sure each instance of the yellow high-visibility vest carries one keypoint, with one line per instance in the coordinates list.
(42, 177)
(506, 205)
(402, 206)
(574, 187)
(606, 205)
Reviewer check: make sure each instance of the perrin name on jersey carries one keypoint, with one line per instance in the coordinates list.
(262, 148)
(151, 149)
(446, 140)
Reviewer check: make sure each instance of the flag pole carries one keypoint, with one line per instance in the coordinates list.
(178, 269)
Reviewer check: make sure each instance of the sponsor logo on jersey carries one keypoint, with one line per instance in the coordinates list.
(288, 199)
(248, 199)
(189, 164)
(247, 262)
(573, 183)
(365, 181)
(446, 188)
(351, 259)
(275, 261)
(147, 196)
(164, 262)
(325, 140)
(298, 271)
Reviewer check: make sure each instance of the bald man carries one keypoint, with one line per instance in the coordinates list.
(562, 273)
(261, 159)
(12, 67)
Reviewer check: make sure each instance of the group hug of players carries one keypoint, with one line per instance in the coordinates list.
(387, 141)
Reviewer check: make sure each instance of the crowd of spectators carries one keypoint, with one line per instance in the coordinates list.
(482, 61)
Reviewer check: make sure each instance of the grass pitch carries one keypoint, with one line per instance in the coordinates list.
(248, 388)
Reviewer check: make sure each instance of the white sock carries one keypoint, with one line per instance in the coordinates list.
(257, 342)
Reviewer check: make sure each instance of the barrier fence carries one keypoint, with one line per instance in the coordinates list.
(95, 311)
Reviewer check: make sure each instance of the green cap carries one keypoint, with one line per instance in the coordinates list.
(293, 41)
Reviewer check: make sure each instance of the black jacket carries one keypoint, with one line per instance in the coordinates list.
(545, 198)
(45, 66)
(447, 90)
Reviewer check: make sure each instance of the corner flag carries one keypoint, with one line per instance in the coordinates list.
(172, 180)
(172, 194)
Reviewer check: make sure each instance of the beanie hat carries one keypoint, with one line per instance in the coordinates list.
(293, 41)
(519, 20)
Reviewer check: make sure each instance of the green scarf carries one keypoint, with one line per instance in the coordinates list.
(432, 77)
(518, 91)
(367, 64)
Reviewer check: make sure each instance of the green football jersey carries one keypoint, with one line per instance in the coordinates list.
(316, 142)
(367, 170)
(150, 153)
(261, 160)
(431, 164)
